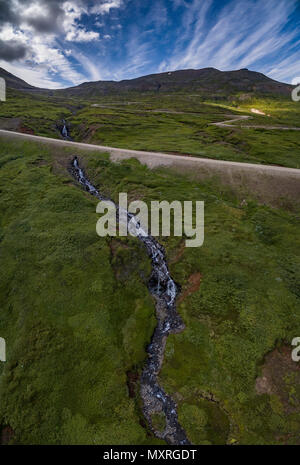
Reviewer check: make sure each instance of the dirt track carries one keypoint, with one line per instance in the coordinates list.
(269, 184)
(221, 124)
(234, 119)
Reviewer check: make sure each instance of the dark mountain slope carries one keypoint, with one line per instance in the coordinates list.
(206, 80)
(13, 82)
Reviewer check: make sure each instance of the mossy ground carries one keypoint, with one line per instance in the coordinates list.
(76, 313)
(71, 327)
(246, 305)
(146, 122)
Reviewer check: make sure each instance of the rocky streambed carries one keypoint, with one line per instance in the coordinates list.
(165, 291)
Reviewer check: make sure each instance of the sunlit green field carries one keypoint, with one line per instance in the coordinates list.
(77, 315)
(175, 123)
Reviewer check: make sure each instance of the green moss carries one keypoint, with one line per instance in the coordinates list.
(246, 303)
(72, 328)
(76, 314)
(205, 422)
(158, 421)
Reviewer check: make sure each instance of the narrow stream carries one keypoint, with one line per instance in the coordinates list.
(64, 130)
(163, 288)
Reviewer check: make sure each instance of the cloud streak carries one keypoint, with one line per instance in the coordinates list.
(65, 42)
(242, 34)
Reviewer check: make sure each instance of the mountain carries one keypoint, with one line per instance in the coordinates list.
(206, 81)
(13, 82)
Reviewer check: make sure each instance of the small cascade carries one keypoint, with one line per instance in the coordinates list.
(64, 130)
(163, 288)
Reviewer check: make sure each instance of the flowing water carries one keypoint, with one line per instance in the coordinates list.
(64, 130)
(164, 290)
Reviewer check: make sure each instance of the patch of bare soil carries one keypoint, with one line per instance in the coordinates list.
(6, 434)
(115, 245)
(193, 285)
(26, 130)
(281, 377)
(87, 133)
(178, 255)
(132, 383)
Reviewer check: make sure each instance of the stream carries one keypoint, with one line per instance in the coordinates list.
(165, 291)
(64, 130)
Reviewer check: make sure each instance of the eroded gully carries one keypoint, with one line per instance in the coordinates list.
(164, 290)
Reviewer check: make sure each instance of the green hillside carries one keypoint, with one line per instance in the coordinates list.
(77, 314)
(178, 123)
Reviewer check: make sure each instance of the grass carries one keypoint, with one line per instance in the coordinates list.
(77, 316)
(146, 122)
(72, 328)
(33, 113)
(135, 126)
(246, 306)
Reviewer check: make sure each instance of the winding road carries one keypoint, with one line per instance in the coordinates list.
(156, 157)
(266, 183)
(220, 124)
(234, 119)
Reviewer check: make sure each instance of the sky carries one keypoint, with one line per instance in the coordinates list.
(58, 43)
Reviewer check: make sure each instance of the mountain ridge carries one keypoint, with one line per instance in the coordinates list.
(210, 80)
(13, 81)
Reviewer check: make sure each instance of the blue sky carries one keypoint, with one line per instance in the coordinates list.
(58, 43)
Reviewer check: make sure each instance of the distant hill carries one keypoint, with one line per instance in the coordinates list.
(13, 82)
(208, 81)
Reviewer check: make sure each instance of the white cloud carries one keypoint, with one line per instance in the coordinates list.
(46, 64)
(285, 70)
(106, 6)
(296, 81)
(78, 34)
(92, 69)
(32, 10)
(9, 33)
(74, 31)
(35, 76)
(241, 34)
(138, 56)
